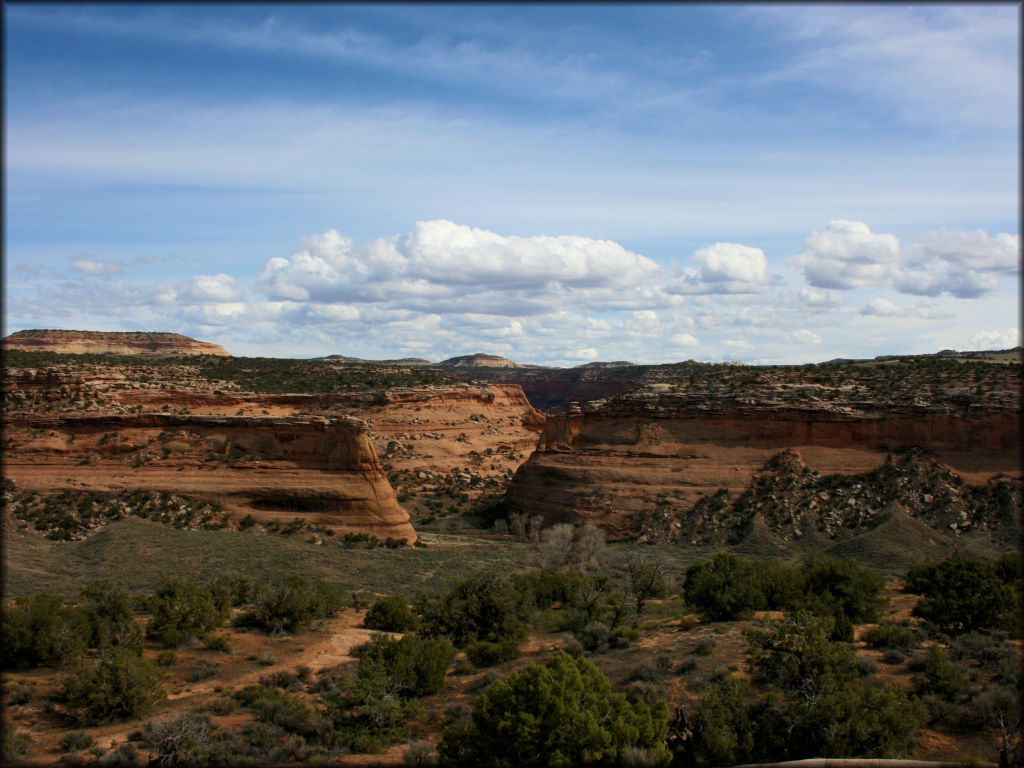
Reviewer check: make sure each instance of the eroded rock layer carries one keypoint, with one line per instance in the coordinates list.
(110, 343)
(656, 453)
(321, 469)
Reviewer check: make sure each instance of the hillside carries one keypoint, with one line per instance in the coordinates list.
(110, 343)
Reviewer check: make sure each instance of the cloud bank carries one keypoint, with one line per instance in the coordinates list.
(442, 288)
(966, 265)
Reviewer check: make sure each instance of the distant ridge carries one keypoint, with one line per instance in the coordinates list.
(481, 360)
(616, 364)
(399, 361)
(130, 343)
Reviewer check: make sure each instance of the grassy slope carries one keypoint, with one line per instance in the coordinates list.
(141, 554)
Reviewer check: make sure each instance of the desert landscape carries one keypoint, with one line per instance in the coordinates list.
(322, 521)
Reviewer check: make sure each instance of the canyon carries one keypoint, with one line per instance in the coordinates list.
(672, 460)
(661, 453)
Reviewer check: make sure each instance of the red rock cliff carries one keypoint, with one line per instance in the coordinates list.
(324, 470)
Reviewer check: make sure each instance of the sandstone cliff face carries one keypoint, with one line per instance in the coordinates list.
(323, 470)
(110, 343)
(661, 450)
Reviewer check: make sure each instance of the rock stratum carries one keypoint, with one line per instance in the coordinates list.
(323, 470)
(673, 460)
(114, 427)
(110, 343)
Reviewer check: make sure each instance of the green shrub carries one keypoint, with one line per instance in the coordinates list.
(75, 741)
(842, 589)
(290, 604)
(891, 636)
(561, 713)
(120, 687)
(942, 677)
(184, 739)
(413, 666)
(847, 716)
(216, 642)
(41, 630)
(391, 614)
(484, 606)
(15, 745)
(183, 612)
(486, 654)
(961, 594)
(724, 589)
(111, 616)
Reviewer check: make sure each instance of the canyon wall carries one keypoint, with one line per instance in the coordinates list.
(321, 469)
(651, 452)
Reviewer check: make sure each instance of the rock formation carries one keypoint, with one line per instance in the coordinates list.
(323, 470)
(658, 451)
(110, 343)
(480, 360)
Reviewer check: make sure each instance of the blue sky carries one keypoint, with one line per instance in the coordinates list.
(556, 184)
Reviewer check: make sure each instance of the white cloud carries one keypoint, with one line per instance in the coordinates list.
(91, 267)
(588, 353)
(882, 307)
(996, 339)
(725, 268)
(684, 340)
(214, 288)
(813, 299)
(847, 254)
(803, 336)
(464, 269)
(969, 250)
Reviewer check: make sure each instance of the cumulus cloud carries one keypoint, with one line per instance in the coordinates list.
(847, 254)
(726, 268)
(813, 299)
(90, 267)
(440, 261)
(684, 340)
(966, 265)
(211, 288)
(996, 339)
(802, 336)
(882, 307)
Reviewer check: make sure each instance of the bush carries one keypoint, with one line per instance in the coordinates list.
(484, 606)
(486, 654)
(111, 616)
(75, 741)
(183, 739)
(182, 612)
(724, 589)
(41, 630)
(123, 686)
(846, 716)
(961, 594)
(892, 637)
(15, 745)
(413, 666)
(216, 642)
(561, 713)
(841, 589)
(290, 604)
(942, 677)
(391, 614)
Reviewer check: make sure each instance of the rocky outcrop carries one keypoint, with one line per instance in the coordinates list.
(479, 360)
(661, 450)
(321, 469)
(110, 343)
